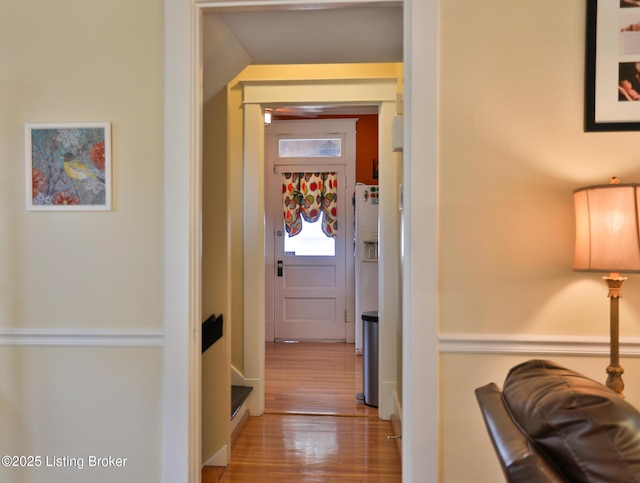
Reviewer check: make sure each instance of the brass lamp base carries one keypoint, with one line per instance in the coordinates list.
(614, 379)
(614, 371)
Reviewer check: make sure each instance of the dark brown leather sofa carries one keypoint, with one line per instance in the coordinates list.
(551, 424)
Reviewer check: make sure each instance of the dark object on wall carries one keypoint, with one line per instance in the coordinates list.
(211, 331)
(552, 424)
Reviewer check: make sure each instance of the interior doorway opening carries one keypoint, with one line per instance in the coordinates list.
(377, 90)
(181, 447)
(374, 92)
(291, 385)
(240, 165)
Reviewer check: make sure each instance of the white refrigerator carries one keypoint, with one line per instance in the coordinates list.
(366, 254)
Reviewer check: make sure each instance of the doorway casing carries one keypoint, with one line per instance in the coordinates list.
(182, 171)
(258, 94)
(275, 245)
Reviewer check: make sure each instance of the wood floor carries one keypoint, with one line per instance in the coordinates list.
(314, 429)
(314, 378)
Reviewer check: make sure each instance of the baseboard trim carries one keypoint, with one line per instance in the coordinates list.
(221, 458)
(387, 391)
(238, 423)
(237, 379)
(81, 338)
(535, 344)
(396, 423)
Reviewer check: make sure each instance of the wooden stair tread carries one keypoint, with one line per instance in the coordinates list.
(239, 395)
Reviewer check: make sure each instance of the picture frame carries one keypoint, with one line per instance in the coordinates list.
(68, 166)
(612, 52)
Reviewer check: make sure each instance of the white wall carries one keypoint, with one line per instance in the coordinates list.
(77, 289)
(512, 149)
(80, 402)
(216, 375)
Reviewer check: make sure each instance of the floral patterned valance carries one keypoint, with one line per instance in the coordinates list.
(308, 195)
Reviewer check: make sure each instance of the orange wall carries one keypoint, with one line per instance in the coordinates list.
(366, 144)
(367, 148)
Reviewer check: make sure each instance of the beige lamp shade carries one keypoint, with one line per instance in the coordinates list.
(607, 236)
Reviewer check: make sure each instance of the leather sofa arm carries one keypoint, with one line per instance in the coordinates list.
(521, 461)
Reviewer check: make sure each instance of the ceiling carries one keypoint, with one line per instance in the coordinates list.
(331, 35)
(368, 33)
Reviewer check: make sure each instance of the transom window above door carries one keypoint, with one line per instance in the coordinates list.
(310, 148)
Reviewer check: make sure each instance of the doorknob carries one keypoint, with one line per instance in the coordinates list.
(279, 266)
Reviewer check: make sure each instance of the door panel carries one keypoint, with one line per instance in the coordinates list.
(301, 309)
(310, 276)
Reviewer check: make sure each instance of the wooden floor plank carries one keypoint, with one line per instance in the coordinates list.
(314, 429)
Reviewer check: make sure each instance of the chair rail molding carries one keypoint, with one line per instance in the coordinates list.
(81, 337)
(534, 344)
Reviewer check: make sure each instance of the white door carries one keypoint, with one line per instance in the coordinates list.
(309, 284)
(309, 276)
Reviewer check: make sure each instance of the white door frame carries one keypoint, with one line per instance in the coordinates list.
(181, 453)
(262, 93)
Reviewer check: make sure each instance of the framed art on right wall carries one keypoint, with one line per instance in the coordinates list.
(612, 66)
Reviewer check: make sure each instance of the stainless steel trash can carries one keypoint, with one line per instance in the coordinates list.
(370, 358)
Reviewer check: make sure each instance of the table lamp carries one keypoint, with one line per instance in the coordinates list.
(608, 240)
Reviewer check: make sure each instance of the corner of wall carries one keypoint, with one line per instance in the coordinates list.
(221, 458)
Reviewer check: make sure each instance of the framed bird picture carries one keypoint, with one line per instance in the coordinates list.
(68, 167)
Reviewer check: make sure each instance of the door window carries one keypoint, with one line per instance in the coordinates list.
(310, 242)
